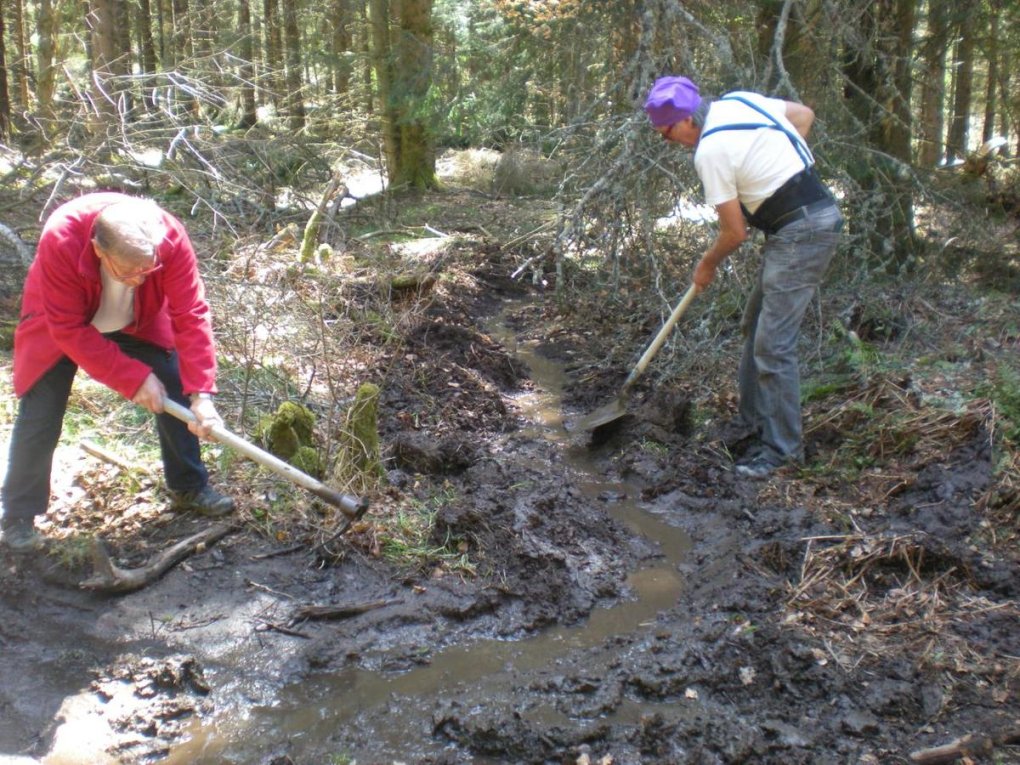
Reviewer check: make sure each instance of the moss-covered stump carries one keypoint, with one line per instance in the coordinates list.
(288, 434)
(308, 460)
(359, 455)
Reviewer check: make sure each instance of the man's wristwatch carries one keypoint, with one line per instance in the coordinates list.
(197, 396)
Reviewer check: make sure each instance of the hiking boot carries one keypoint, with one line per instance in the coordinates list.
(757, 467)
(206, 501)
(21, 537)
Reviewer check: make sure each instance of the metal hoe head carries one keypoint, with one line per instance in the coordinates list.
(617, 409)
(604, 415)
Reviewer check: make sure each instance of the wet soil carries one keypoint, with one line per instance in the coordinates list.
(811, 624)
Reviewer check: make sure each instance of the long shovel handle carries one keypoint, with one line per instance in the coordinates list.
(660, 338)
(351, 506)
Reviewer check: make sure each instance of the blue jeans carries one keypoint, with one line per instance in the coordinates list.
(26, 489)
(794, 259)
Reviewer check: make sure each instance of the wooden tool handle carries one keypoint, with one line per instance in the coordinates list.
(660, 338)
(353, 507)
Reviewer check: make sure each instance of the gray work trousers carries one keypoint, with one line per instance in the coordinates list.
(794, 259)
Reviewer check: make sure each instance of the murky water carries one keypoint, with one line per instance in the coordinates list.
(309, 714)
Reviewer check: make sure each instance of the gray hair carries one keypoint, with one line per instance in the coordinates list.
(701, 113)
(130, 231)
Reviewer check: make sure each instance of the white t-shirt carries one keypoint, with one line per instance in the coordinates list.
(747, 165)
(116, 305)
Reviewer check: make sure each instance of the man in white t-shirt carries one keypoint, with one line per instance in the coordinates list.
(753, 161)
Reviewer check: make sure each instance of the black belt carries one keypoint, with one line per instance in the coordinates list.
(799, 213)
(799, 191)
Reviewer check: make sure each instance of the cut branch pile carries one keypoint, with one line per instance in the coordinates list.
(860, 593)
(885, 420)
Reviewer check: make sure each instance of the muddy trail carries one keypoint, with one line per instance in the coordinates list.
(622, 597)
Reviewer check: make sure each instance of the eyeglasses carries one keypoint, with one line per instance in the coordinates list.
(122, 277)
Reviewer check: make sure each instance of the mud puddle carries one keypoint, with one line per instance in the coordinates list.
(378, 716)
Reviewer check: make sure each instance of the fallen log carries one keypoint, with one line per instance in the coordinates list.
(107, 577)
(337, 611)
(412, 281)
(973, 744)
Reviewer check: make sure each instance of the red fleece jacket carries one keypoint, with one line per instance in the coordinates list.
(62, 293)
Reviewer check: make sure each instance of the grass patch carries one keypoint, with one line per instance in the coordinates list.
(654, 448)
(408, 537)
(72, 552)
(1003, 391)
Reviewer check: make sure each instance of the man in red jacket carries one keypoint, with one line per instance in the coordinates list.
(114, 289)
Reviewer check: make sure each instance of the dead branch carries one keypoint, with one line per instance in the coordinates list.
(10, 243)
(106, 455)
(268, 625)
(973, 744)
(310, 240)
(107, 577)
(338, 611)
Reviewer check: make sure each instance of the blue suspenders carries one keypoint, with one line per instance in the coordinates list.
(802, 151)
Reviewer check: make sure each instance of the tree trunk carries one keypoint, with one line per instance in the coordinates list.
(992, 54)
(5, 98)
(364, 46)
(180, 48)
(1010, 100)
(146, 44)
(879, 103)
(963, 69)
(204, 33)
(342, 42)
(248, 116)
(294, 69)
(901, 124)
(102, 26)
(625, 36)
(792, 44)
(382, 61)
(45, 84)
(147, 54)
(122, 36)
(417, 161)
(931, 124)
(274, 49)
(162, 14)
(20, 70)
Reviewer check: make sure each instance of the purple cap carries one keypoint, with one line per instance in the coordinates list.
(671, 99)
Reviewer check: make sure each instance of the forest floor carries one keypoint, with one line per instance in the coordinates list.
(859, 609)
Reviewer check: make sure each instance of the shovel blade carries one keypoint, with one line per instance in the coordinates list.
(603, 415)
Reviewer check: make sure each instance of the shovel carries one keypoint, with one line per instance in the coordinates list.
(618, 408)
(351, 506)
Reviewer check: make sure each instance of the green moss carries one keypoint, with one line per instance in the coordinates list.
(300, 418)
(307, 460)
(364, 430)
(323, 253)
(291, 428)
(283, 440)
